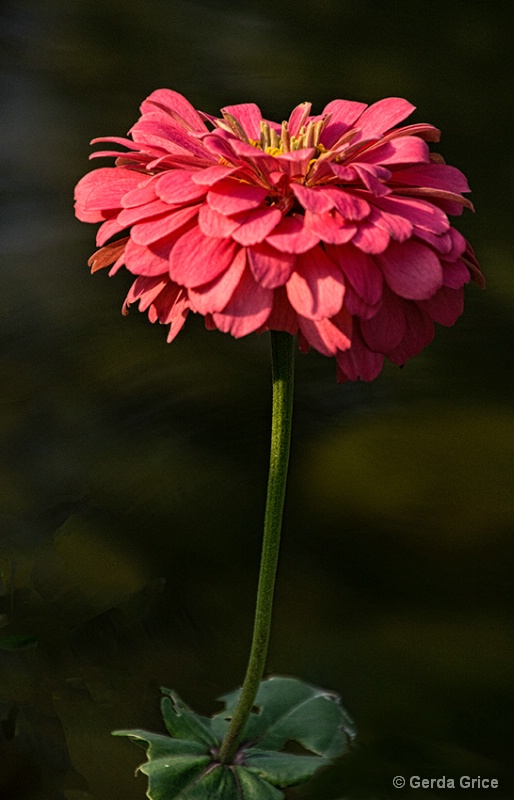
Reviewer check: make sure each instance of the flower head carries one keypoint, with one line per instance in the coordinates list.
(331, 226)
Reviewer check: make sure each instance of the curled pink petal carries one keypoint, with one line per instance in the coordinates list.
(249, 117)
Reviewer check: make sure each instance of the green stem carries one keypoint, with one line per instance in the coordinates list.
(282, 357)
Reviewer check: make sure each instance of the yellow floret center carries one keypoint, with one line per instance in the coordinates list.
(275, 144)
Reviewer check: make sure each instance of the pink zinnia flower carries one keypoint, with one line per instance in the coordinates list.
(333, 227)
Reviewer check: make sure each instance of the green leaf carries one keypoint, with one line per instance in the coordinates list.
(291, 710)
(282, 769)
(182, 722)
(159, 746)
(253, 788)
(175, 777)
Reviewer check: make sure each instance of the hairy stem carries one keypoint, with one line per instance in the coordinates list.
(282, 356)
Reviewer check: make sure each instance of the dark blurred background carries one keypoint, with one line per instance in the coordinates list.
(133, 472)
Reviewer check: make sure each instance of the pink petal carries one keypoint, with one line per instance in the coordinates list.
(249, 117)
(426, 132)
(211, 175)
(176, 186)
(270, 267)
(170, 307)
(176, 105)
(109, 228)
(149, 261)
(160, 135)
(129, 216)
(216, 144)
(291, 236)
(396, 227)
(326, 337)
(343, 114)
(361, 271)
(196, 259)
(348, 204)
(455, 274)
(247, 310)
(359, 362)
(437, 176)
(215, 295)
(177, 323)
(115, 140)
(411, 269)
(247, 152)
(368, 175)
(401, 150)
(103, 189)
(446, 306)
(141, 195)
(171, 223)
(356, 306)
(145, 290)
(212, 223)
(448, 202)
(472, 264)
(381, 116)
(255, 225)
(440, 242)
(296, 163)
(421, 213)
(458, 245)
(386, 328)
(231, 196)
(298, 117)
(419, 331)
(315, 199)
(330, 227)
(316, 287)
(370, 238)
